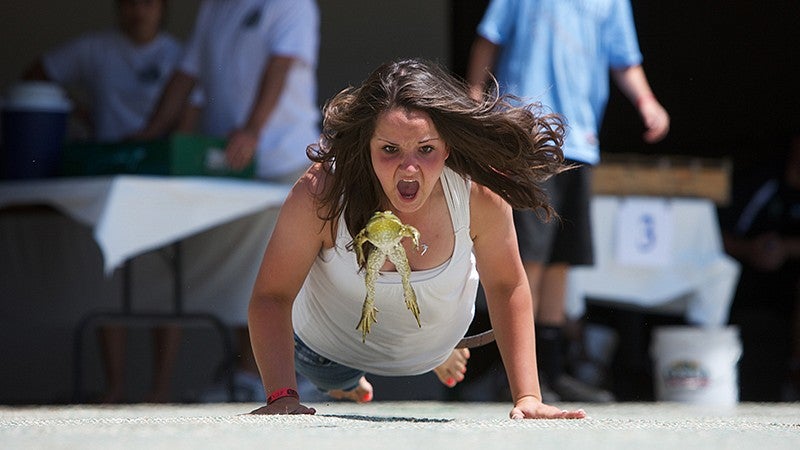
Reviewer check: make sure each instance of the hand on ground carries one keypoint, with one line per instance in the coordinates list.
(530, 407)
(285, 405)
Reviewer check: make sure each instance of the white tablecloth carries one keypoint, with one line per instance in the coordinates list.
(699, 281)
(56, 267)
(130, 215)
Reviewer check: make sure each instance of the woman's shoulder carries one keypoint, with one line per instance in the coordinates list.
(481, 197)
(310, 189)
(485, 207)
(302, 205)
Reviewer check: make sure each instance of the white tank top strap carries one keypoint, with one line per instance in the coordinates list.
(456, 191)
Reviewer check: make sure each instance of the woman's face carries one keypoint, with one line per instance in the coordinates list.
(408, 157)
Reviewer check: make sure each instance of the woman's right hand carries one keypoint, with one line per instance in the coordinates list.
(286, 405)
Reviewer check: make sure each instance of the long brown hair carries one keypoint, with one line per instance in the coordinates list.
(509, 149)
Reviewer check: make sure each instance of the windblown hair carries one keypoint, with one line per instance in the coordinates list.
(509, 149)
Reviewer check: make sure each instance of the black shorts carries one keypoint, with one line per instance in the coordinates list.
(568, 237)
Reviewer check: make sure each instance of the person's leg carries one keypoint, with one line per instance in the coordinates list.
(360, 394)
(338, 381)
(113, 340)
(451, 372)
(571, 244)
(548, 292)
(166, 343)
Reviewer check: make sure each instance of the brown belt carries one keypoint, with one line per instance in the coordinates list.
(476, 340)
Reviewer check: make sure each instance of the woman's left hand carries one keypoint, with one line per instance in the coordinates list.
(530, 407)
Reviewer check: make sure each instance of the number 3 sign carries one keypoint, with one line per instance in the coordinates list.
(643, 232)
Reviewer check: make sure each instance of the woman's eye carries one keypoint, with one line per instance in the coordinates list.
(389, 149)
(426, 149)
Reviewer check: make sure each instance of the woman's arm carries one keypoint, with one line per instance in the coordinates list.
(509, 301)
(298, 237)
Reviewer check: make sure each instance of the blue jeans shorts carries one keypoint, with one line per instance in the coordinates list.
(325, 374)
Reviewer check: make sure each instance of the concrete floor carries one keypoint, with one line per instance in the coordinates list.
(403, 425)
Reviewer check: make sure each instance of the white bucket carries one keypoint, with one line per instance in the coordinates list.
(696, 364)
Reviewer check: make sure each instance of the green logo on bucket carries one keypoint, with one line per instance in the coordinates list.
(688, 375)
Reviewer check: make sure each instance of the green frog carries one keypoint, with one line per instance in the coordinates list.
(386, 232)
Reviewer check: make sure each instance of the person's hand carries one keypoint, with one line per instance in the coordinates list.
(530, 407)
(241, 148)
(285, 405)
(655, 119)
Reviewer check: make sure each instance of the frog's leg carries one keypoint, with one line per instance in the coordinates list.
(368, 311)
(358, 242)
(397, 255)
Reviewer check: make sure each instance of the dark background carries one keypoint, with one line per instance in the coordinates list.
(726, 71)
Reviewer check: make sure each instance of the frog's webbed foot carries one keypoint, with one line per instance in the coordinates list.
(411, 302)
(369, 315)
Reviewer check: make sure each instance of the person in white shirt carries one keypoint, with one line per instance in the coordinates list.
(409, 140)
(122, 71)
(255, 62)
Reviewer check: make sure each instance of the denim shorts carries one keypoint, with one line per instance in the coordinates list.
(325, 374)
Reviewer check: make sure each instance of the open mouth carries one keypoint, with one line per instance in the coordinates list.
(408, 189)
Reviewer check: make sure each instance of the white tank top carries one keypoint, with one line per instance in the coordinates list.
(328, 307)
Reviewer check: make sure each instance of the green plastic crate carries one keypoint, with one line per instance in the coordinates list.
(179, 154)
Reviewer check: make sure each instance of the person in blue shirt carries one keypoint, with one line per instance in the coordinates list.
(563, 54)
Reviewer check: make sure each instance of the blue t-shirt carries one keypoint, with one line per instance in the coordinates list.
(558, 53)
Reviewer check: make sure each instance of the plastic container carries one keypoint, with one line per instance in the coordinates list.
(696, 365)
(34, 125)
(179, 154)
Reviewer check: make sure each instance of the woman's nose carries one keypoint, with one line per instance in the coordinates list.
(409, 163)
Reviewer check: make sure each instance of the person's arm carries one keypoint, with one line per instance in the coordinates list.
(243, 141)
(298, 237)
(189, 119)
(170, 107)
(508, 298)
(633, 84)
(481, 63)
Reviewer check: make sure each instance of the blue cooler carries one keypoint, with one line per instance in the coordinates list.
(34, 119)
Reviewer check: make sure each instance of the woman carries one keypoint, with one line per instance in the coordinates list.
(411, 141)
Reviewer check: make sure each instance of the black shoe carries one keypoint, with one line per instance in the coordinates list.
(570, 389)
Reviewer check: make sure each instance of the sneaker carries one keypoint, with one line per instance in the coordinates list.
(572, 390)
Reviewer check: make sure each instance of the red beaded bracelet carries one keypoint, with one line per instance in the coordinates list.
(281, 393)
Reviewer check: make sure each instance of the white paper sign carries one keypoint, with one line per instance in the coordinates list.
(644, 230)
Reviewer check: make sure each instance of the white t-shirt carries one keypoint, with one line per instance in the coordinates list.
(123, 80)
(228, 51)
(328, 307)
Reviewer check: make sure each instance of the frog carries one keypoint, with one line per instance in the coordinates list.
(385, 231)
